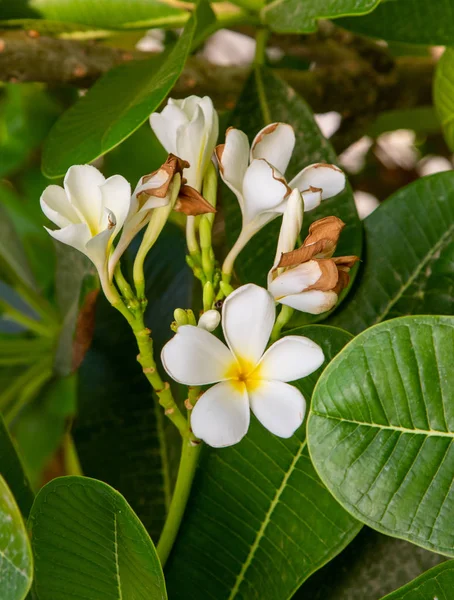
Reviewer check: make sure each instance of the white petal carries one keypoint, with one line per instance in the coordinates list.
(278, 406)
(76, 236)
(221, 416)
(248, 317)
(116, 193)
(165, 125)
(82, 184)
(57, 207)
(211, 127)
(292, 221)
(312, 199)
(275, 144)
(290, 358)
(196, 357)
(329, 178)
(295, 279)
(209, 320)
(313, 302)
(234, 161)
(97, 250)
(263, 190)
(191, 140)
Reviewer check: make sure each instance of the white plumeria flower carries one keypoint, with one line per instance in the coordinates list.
(209, 320)
(246, 376)
(90, 211)
(255, 175)
(189, 129)
(308, 279)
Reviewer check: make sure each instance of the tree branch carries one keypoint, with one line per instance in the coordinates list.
(349, 74)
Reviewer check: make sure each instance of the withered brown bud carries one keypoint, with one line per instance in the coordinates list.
(192, 203)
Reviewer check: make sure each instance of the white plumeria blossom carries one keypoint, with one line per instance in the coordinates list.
(90, 211)
(256, 176)
(189, 129)
(246, 376)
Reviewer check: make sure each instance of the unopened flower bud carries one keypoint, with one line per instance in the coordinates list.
(209, 320)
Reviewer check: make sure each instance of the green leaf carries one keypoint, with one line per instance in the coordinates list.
(266, 99)
(101, 545)
(114, 107)
(261, 503)
(437, 583)
(410, 257)
(16, 560)
(118, 416)
(299, 16)
(100, 14)
(411, 21)
(422, 119)
(13, 472)
(381, 430)
(443, 94)
(368, 569)
(12, 253)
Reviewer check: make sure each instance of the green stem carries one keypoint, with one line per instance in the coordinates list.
(284, 317)
(162, 389)
(124, 286)
(186, 471)
(72, 462)
(261, 38)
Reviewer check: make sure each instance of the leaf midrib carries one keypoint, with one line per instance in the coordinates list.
(407, 430)
(266, 522)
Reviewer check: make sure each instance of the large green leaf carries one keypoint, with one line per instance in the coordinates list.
(88, 543)
(298, 16)
(12, 471)
(411, 21)
(16, 560)
(106, 14)
(381, 429)
(443, 94)
(265, 99)
(370, 567)
(438, 583)
(114, 107)
(121, 434)
(259, 521)
(409, 266)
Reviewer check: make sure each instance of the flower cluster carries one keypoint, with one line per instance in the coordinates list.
(100, 217)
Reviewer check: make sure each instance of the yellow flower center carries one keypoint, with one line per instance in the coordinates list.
(244, 373)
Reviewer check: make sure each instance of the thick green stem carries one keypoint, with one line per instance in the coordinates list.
(284, 317)
(188, 464)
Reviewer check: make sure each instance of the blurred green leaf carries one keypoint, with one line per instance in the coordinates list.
(278, 102)
(114, 107)
(100, 14)
(438, 583)
(12, 254)
(121, 433)
(381, 428)
(412, 21)
(101, 545)
(443, 94)
(12, 470)
(16, 560)
(370, 566)
(409, 267)
(422, 119)
(261, 503)
(297, 16)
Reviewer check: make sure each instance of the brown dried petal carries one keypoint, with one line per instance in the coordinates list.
(219, 151)
(173, 165)
(345, 262)
(342, 282)
(329, 277)
(328, 229)
(301, 255)
(192, 203)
